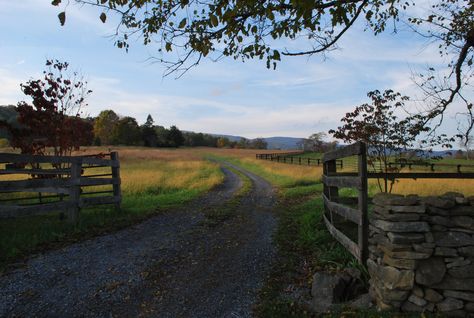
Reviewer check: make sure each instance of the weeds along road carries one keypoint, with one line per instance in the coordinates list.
(207, 259)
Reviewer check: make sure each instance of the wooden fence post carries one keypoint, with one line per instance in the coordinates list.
(75, 190)
(363, 200)
(116, 176)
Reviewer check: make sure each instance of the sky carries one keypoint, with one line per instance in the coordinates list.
(302, 96)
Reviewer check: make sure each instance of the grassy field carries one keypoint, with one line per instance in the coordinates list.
(152, 180)
(158, 179)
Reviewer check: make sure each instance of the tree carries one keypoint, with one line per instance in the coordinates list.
(258, 143)
(243, 143)
(247, 29)
(385, 134)
(150, 139)
(175, 137)
(126, 132)
(466, 131)
(316, 143)
(104, 125)
(53, 119)
(223, 142)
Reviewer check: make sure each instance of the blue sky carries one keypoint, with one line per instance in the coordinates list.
(304, 95)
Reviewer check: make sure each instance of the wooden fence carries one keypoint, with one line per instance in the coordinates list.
(292, 158)
(60, 183)
(336, 208)
(333, 206)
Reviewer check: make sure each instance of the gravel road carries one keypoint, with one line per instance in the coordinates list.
(172, 265)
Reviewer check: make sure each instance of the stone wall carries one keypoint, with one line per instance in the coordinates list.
(422, 253)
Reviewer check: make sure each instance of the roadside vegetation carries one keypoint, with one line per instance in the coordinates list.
(157, 180)
(303, 242)
(152, 181)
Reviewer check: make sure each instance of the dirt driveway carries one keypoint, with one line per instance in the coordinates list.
(173, 265)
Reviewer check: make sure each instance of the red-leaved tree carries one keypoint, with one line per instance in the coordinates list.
(387, 136)
(51, 124)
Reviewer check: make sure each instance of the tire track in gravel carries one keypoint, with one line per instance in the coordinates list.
(172, 265)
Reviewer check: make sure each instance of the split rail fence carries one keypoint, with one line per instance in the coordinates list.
(60, 183)
(337, 209)
(292, 158)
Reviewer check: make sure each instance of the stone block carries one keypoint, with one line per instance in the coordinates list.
(398, 217)
(383, 240)
(459, 295)
(461, 201)
(399, 263)
(461, 210)
(406, 238)
(422, 248)
(326, 290)
(463, 221)
(453, 195)
(430, 271)
(420, 209)
(429, 238)
(450, 304)
(439, 228)
(440, 220)
(469, 307)
(432, 295)
(446, 251)
(452, 239)
(408, 306)
(418, 291)
(383, 199)
(458, 263)
(437, 211)
(417, 300)
(430, 307)
(462, 229)
(402, 227)
(466, 251)
(438, 202)
(462, 271)
(388, 295)
(391, 277)
(410, 255)
(471, 199)
(455, 283)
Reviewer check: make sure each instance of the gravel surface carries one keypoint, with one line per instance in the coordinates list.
(172, 265)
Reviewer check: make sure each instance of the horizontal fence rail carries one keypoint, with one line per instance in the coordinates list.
(61, 184)
(355, 156)
(293, 158)
(394, 170)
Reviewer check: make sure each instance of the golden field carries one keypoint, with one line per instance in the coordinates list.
(154, 170)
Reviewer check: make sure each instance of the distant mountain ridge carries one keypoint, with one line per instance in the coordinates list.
(282, 143)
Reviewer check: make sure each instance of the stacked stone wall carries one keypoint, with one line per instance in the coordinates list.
(421, 253)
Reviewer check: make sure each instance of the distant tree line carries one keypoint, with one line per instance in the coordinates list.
(111, 129)
(53, 124)
(108, 128)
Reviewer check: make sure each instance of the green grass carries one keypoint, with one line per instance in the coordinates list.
(304, 244)
(279, 180)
